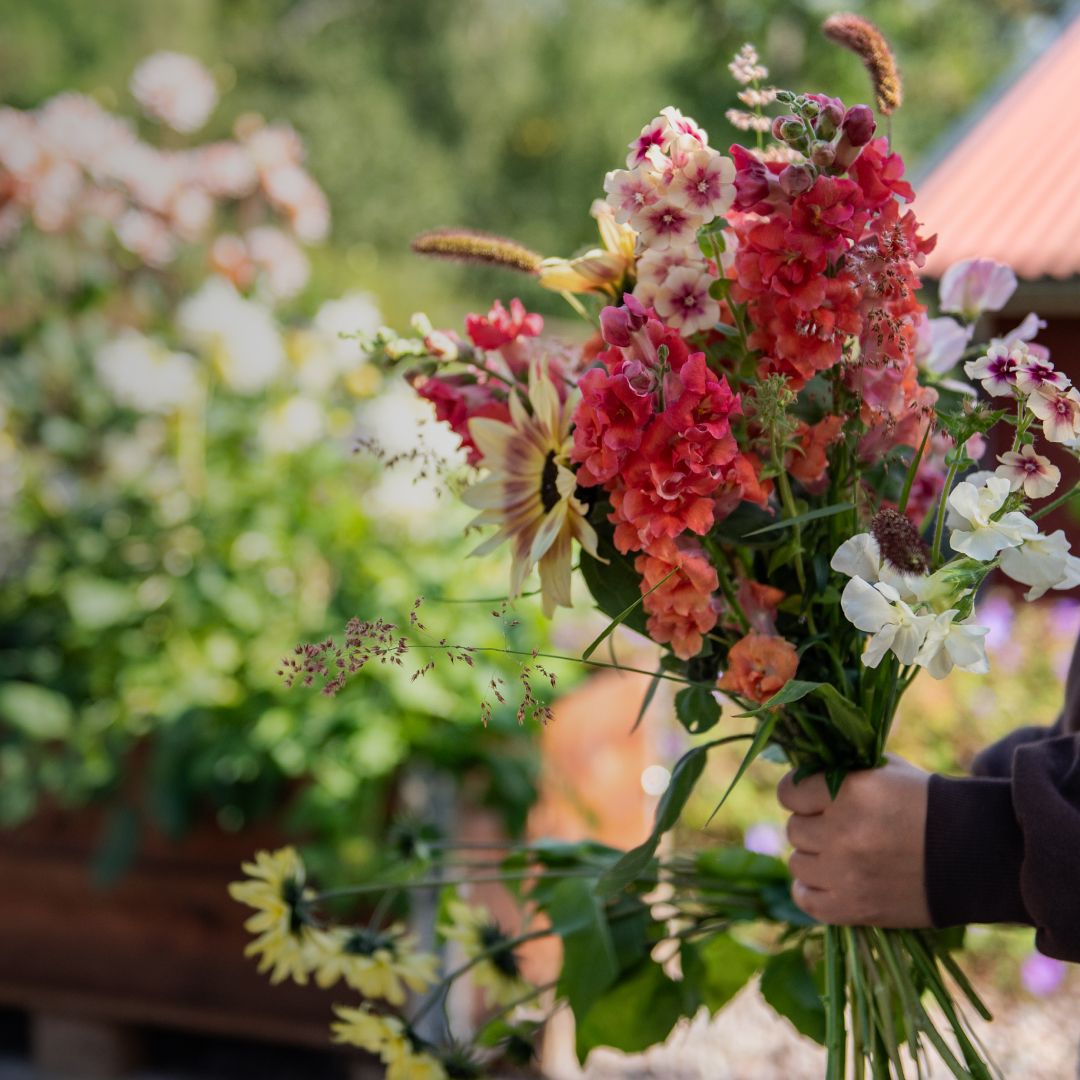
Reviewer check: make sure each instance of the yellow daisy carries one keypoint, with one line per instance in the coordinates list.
(530, 492)
(378, 963)
(275, 888)
(478, 933)
(399, 1049)
(599, 270)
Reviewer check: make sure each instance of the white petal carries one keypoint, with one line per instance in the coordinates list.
(865, 607)
(858, 557)
(879, 645)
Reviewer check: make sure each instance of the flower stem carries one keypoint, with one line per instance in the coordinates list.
(939, 526)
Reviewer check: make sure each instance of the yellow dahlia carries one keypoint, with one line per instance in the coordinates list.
(530, 492)
(286, 945)
(599, 270)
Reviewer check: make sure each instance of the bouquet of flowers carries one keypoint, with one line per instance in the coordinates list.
(765, 460)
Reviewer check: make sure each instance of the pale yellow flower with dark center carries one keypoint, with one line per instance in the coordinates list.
(478, 934)
(530, 492)
(286, 945)
(599, 270)
(387, 1036)
(377, 963)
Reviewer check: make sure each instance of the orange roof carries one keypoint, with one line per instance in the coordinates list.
(1009, 189)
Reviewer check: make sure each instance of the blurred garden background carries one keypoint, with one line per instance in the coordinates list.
(180, 497)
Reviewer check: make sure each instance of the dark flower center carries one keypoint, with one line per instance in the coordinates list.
(549, 483)
(493, 939)
(899, 541)
(363, 942)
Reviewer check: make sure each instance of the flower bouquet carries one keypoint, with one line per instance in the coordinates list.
(764, 457)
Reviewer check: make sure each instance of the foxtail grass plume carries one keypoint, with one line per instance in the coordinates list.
(868, 43)
(465, 245)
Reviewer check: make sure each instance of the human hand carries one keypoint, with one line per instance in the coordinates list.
(858, 858)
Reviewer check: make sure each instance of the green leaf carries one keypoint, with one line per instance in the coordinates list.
(614, 585)
(589, 964)
(718, 968)
(35, 710)
(760, 741)
(737, 865)
(743, 522)
(697, 709)
(788, 986)
(639, 1011)
(646, 701)
(847, 718)
(801, 519)
(624, 615)
(793, 690)
(683, 778)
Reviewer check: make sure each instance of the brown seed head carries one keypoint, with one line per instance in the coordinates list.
(465, 245)
(864, 39)
(899, 542)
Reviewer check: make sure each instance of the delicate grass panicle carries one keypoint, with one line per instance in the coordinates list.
(864, 39)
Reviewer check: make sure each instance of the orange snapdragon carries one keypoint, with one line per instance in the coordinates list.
(758, 666)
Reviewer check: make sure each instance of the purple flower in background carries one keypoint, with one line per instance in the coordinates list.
(1065, 618)
(764, 839)
(1041, 975)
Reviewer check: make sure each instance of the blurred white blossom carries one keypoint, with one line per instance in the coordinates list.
(141, 374)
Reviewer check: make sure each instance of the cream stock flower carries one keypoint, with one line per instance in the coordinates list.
(950, 644)
(1042, 562)
(878, 610)
(976, 532)
(530, 492)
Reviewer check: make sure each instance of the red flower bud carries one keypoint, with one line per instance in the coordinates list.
(796, 179)
(859, 125)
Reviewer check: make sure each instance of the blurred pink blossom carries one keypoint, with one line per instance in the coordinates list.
(764, 838)
(973, 286)
(1041, 975)
(175, 89)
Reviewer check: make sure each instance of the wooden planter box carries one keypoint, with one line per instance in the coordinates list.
(162, 948)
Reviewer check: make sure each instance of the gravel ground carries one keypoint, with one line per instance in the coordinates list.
(1031, 1040)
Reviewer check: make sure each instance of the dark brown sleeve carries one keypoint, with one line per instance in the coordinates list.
(1007, 849)
(997, 759)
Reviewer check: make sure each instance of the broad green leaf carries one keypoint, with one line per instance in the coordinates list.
(639, 1011)
(847, 717)
(802, 519)
(793, 690)
(589, 964)
(761, 740)
(35, 710)
(718, 968)
(614, 585)
(683, 778)
(697, 709)
(788, 986)
(623, 616)
(734, 864)
(744, 522)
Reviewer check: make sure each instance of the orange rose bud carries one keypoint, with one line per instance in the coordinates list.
(758, 666)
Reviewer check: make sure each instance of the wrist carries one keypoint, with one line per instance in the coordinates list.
(973, 852)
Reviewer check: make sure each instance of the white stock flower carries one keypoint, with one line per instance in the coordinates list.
(950, 644)
(240, 335)
(141, 374)
(860, 557)
(1042, 562)
(878, 610)
(175, 89)
(975, 531)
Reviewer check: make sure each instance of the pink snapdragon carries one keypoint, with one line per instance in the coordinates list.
(500, 327)
(972, 286)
